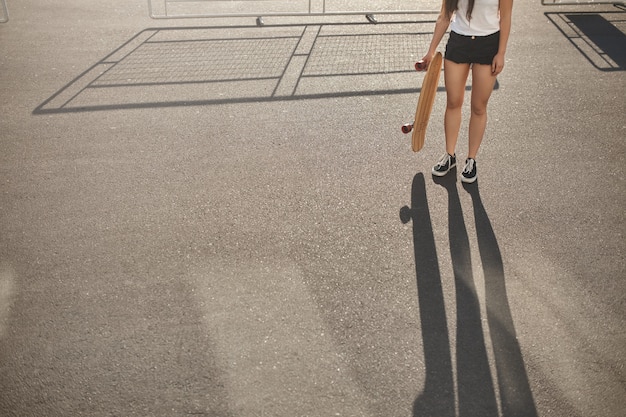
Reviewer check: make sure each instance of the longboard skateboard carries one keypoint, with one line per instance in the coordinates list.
(425, 102)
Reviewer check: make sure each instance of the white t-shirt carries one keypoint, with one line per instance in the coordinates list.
(485, 18)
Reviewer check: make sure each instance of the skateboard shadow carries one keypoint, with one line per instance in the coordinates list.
(475, 393)
(437, 398)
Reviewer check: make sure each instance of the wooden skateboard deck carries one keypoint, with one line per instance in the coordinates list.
(425, 103)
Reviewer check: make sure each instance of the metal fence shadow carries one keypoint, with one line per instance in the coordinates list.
(599, 37)
(183, 66)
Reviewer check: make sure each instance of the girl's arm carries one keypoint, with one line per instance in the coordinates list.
(506, 8)
(441, 26)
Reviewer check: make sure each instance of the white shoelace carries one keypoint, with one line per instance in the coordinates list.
(444, 160)
(469, 166)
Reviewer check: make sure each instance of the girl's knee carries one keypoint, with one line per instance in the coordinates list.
(454, 103)
(479, 109)
(479, 106)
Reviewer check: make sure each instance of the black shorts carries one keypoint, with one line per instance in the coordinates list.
(472, 49)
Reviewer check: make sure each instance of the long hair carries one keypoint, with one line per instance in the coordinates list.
(453, 5)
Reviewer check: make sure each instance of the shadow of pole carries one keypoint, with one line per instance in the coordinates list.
(437, 398)
(515, 395)
(476, 395)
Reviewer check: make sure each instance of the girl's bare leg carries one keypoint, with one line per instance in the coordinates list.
(455, 76)
(483, 82)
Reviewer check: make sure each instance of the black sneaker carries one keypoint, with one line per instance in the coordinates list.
(445, 164)
(469, 171)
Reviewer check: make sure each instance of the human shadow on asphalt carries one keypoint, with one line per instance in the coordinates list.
(516, 397)
(475, 390)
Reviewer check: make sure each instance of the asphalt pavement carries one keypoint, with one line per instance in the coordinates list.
(208, 217)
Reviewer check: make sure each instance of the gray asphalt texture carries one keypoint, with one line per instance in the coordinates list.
(205, 217)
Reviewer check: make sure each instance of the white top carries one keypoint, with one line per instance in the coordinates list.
(485, 18)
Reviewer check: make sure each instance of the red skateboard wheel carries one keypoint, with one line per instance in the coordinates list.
(420, 66)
